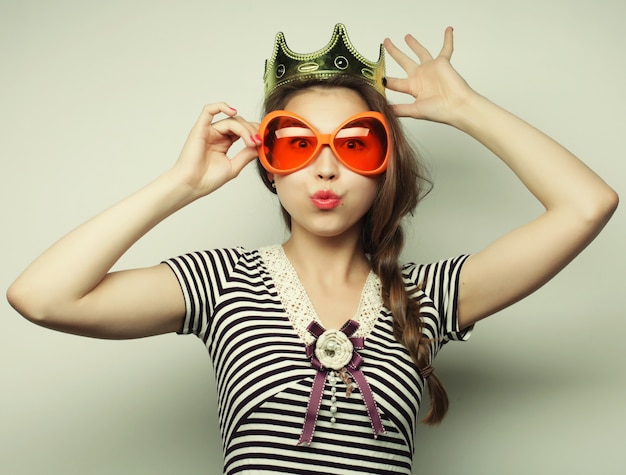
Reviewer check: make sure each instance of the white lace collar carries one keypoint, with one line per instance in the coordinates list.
(297, 304)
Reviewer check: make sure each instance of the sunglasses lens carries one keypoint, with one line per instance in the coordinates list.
(362, 144)
(288, 143)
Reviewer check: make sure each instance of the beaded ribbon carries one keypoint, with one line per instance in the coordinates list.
(317, 390)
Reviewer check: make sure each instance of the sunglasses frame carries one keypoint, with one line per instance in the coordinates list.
(323, 139)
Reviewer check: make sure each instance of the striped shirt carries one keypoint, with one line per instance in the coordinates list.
(251, 312)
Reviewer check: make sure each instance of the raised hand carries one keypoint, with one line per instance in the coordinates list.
(203, 163)
(437, 89)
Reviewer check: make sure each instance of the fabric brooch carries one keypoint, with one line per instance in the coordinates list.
(333, 354)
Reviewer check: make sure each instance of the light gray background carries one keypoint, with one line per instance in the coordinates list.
(96, 100)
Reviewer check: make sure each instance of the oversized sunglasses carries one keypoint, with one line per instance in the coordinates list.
(290, 143)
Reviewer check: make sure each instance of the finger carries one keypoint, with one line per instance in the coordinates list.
(209, 112)
(397, 84)
(201, 129)
(400, 57)
(242, 158)
(404, 110)
(422, 53)
(253, 139)
(237, 127)
(448, 43)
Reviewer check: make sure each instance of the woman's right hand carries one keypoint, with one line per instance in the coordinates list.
(203, 164)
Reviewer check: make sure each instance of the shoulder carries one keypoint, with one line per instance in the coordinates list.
(427, 276)
(223, 257)
(215, 264)
(436, 287)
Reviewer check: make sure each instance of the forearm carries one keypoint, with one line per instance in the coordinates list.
(578, 205)
(78, 262)
(555, 176)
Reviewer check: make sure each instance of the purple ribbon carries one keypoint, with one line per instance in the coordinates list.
(317, 390)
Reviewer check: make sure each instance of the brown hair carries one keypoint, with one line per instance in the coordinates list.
(400, 189)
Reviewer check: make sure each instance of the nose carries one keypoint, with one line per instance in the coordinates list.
(326, 165)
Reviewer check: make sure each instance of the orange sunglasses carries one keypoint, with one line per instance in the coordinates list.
(289, 143)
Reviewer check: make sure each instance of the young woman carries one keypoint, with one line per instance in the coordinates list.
(322, 345)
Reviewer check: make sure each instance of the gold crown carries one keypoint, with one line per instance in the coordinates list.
(337, 57)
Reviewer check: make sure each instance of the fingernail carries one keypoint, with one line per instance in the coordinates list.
(257, 137)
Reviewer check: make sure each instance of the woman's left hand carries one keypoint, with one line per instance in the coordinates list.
(437, 88)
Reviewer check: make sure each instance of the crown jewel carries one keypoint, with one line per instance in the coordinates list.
(337, 57)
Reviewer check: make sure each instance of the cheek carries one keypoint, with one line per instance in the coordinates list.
(289, 190)
(369, 190)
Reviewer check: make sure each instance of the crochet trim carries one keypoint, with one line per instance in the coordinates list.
(297, 304)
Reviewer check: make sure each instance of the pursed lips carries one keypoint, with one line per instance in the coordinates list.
(325, 199)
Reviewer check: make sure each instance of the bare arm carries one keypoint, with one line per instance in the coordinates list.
(70, 287)
(577, 206)
(577, 202)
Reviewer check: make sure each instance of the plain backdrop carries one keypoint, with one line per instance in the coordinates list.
(96, 99)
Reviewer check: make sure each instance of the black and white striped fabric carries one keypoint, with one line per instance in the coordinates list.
(264, 377)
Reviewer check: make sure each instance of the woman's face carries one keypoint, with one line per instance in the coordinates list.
(325, 198)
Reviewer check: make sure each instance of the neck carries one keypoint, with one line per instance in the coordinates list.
(327, 259)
